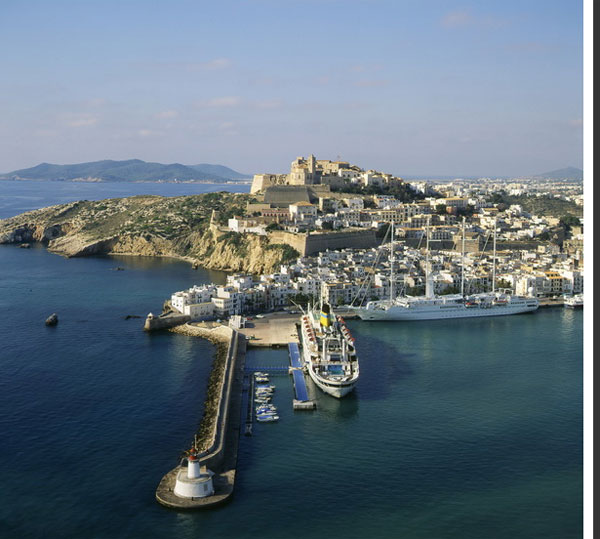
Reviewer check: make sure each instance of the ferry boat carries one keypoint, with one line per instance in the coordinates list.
(328, 351)
(438, 307)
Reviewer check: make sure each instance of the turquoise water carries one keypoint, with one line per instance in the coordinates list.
(457, 429)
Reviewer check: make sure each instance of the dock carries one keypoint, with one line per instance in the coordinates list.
(271, 330)
(301, 402)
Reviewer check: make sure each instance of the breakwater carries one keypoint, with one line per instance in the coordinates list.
(217, 439)
(164, 321)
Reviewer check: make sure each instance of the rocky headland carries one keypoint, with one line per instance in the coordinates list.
(192, 228)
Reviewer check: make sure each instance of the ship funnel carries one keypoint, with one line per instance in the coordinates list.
(325, 315)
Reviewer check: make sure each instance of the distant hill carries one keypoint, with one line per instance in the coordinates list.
(131, 170)
(569, 173)
(220, 170)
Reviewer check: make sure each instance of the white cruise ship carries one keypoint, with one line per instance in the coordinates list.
(443, 307)
(328, 351)
(436, 307)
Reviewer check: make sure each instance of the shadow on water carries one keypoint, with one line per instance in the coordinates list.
(383, 365)
(332, 407)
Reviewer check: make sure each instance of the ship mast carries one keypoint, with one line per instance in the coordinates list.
(392, 263)
(428, 277)
(494, 261)
(462, 261)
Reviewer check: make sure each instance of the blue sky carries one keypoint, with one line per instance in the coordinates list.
(487, 88)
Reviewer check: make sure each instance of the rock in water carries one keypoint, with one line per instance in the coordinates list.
(52, 320)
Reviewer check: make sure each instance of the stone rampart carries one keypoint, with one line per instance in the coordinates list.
(310, 243)
(164, 321)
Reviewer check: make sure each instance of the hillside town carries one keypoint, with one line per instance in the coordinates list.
(341, 219)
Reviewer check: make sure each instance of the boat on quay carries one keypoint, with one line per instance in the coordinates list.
(328, 351)
(441, 307)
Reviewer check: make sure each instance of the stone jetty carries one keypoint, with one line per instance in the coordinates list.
(217, 451)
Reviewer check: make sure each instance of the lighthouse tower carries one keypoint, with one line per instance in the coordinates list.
(195, 481)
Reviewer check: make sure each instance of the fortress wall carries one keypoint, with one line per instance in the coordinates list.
(309, 244)
(359, 239)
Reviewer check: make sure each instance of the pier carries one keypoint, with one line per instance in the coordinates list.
(221, 455)
(301, 402)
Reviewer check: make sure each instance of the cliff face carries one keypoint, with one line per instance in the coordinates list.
(177, 227)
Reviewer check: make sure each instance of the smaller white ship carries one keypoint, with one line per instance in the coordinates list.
(574, 302)
(328, 351)
(442, 307)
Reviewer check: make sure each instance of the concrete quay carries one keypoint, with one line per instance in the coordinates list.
(221, 456)
(274, 329)
(551, 302)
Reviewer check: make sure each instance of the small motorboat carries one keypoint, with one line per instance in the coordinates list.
(265, 386)
(266, 408)
(267, 418)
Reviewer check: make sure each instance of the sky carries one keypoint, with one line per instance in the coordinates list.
(485, 88)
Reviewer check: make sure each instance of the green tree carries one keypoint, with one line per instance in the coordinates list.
(449, 290)
(568, 221)
(382, 231)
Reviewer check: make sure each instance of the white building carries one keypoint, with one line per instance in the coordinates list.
(200, 311)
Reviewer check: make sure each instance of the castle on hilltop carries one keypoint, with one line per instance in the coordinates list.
(312, 171)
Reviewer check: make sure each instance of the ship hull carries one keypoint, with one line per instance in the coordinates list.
(337, 390)
(415, 313)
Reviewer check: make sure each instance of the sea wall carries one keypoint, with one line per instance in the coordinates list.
(165, 321)
(218, 443)
(216, 416)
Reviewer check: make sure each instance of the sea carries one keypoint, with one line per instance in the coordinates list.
(468, 429)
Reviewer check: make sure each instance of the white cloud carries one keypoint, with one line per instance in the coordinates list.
(371, 83)
(217, 63)
(166, 114)
(224, 101)
(149, 133)
(82, 120)
(95, 102)
(461, 18)
(457, 18)
(269, 104)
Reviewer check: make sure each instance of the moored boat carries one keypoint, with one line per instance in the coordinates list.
(574, 302)
(328, 351)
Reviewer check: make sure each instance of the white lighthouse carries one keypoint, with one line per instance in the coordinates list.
(195, 481)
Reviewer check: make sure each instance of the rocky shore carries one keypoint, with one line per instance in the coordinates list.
(189, 228)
